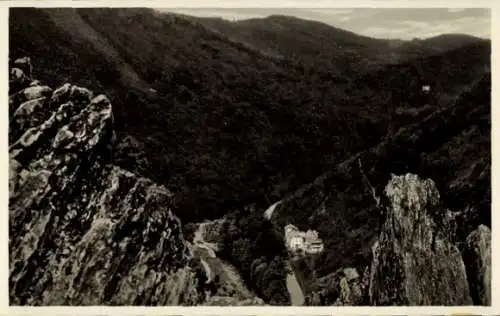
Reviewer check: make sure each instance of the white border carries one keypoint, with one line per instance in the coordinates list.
(4, 161)
(124, 311)
(256, 3)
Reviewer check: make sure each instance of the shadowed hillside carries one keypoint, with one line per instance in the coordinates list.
(451, 146)
(264, 125)
(331, 49)
(234, 116)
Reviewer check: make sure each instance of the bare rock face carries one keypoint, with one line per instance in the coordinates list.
(24, 64)
(414, 262)
(82, 231)
(477, 258)
(344, 287)
(353, 288)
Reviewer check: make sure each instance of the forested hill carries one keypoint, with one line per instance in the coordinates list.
(450, 146)
(329, 48)
(224, 121)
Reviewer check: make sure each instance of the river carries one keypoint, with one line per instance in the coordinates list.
(292, 285)
(294, 290)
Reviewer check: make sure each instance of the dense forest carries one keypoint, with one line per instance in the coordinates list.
(226, 116)
(226, 126)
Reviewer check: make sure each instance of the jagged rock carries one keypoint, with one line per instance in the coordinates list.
(81, 93)
(18, 76)
(352, 289)
(27, 115)
(347, 293)
(83, 231)
(477, 258)
(25, 101)
(17, 81)
(351, 274)
(344, 287)
(14, 167)
(60, 93)
(414, 262)
(24, 64)
(34, 92)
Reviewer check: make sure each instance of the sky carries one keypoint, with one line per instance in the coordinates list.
(402, 23)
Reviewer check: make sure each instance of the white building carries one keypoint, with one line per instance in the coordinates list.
(308, 242)
(296, 243)
(315, 247)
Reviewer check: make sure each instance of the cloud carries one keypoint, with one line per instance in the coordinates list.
(221, 13)
(467, 25)
(384, 32)
(417, 24)
(412, 23)
(330, 12)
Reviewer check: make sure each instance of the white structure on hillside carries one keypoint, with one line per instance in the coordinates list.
(426, 88)
(297, 240)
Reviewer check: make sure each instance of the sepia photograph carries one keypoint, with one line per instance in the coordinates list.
(249, 156)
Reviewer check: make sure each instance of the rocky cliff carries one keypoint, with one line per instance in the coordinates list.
(414, 261)
(477, 258)
(83, 231)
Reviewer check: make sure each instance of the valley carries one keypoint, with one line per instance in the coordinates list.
(196, 141)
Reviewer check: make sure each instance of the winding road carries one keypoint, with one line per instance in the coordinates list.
(214, 266)
(204, 247)
(206, 252)
(270, 210)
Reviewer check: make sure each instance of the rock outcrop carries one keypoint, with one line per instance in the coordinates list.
(414, 262)
(83, 231)
(477, 258)
(353, 288)
(344, 287)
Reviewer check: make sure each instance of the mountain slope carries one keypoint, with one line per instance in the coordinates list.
(312, 43)
(451, 146)
(447, 74)
(329, 48)
(258, 115)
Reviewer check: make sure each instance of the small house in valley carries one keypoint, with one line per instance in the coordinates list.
(297, 240)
